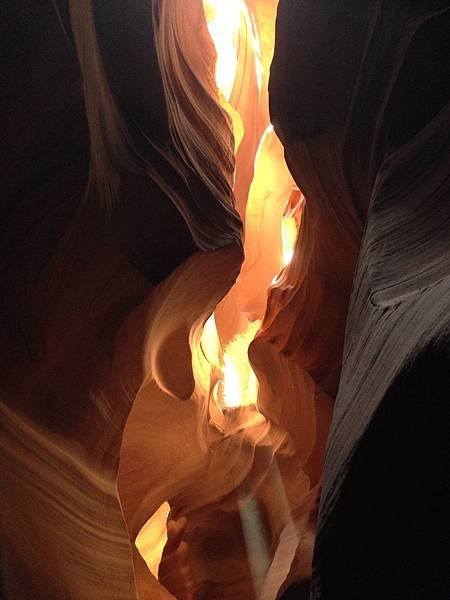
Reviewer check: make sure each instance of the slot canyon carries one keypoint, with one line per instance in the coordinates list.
(225, 300)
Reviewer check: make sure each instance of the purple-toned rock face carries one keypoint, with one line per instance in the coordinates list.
(359, 96)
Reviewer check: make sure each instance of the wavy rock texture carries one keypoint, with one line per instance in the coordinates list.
(126, 177)
(241, 489)
(121, 238)
(72, 349)
(369, 144)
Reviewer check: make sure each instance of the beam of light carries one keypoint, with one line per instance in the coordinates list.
(255, 541)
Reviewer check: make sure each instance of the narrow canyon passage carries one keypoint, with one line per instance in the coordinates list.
(224, 314)
(241, 500)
